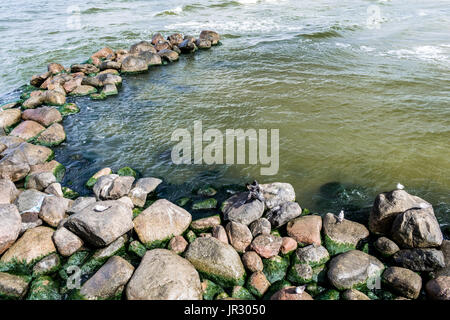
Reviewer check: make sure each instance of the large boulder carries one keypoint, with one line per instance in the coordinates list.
(35, 244)
(163, 275)
(10, 226)
(53, 210)
(112, 186)
(9, 117)
(163, 220)
(8, 191)
(109, 281)
(420, 259)
(44, 115)
(417, 228)
(306, 230)
(27, 130)
(12, 286)
(342, 236)
(354, 269)
(216, 261)
(277, 193)
(237, 209)
(287, 211)
(101, 223)
(211, 36)
(141, 189)
(387, 206)
(403, 281)
(132, 64)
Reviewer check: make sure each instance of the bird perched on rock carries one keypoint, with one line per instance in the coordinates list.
(255, 192)
(300, 289)
(340, 217)
(400, 186)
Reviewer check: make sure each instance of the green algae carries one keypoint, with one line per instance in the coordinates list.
(242, 293)
(275, 268)
(44, 288)
(127, 171)
(335, 248)
(211, 290)
(137, 248)
(206, 204)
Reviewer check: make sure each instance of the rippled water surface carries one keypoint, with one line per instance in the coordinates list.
(360, 106)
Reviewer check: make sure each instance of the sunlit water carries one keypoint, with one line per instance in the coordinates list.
(359, 103)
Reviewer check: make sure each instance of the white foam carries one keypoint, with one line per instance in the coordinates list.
(428, 53)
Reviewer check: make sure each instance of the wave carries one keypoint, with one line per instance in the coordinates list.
(427, 53)
(171, 12)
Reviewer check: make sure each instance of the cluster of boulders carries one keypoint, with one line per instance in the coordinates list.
(125, 243)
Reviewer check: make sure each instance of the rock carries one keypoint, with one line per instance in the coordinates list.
(211, 36)
(277, 193)
(12, 286)
(239, 235)
(66, 242)
(102, 54)
(48, 265)
(187, 46)
(417, 228)
(260, 226)
(80, 203)
(312, 255)
(306, 230)
(8, 191)
(44, 288)
(108, 65)
(205, 224)
(109, 281)
(142, 46)
(127, 201)
(109, 90)
(354, 269)
(287, 212)
(92, 180)
(54, 98)
(342, 236)
(288, 245)
(40, 180)
(387, 206)
(27, 130)
(132, 64)
(142, 188)
(152, 59)
(71, 85)
(85, 68)
(252, 261)
(168, 55)
(112, 187)
(162, 45)
(163, 275)
(83, 90)
(34, 100)
(52, 136)
(238, 210)
(300, 274)
(30, 225)
(258, 284)
(219, 233)
(54, 189)
(439, 288)
(44, 115)
(203, 44)
(34, 244)
(175, 39)
(206, 204)
(55, 68)
(9, 117)
(403, 281)
(290, 293)
(10, 226)
(37, 80)
(275, 268)
(178, 244)
(157, 37)
(353, 294)
(217, 261)
(420, 259)
(53, 210)
(267, 246)
(106, 78)
(160, 222)
(386, 246)
(101, 223)
(30, 201)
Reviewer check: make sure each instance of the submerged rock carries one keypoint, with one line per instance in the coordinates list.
(109, 281)
(33, 245)
(342, 236)
(163, 220)
(101, 223)
(216, 261)
(10, 226)
(163, 275)
(353, 270)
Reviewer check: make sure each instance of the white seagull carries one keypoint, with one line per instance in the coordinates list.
(340, 217)
(400, 186)
(300, 289)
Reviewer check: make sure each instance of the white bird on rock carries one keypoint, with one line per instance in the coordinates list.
(400, 186)
(300, 289)
(340, 217)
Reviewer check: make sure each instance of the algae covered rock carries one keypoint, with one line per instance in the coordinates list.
(205, 224)
(44, 288)
(206, 204)
(312, 255)
(50, 264)
(216, 261)
(275, 268)
(163, 275)
(163, 220)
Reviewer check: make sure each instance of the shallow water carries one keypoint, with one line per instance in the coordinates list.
(359, 106)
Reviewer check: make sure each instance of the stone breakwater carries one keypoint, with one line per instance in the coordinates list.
(124, 242)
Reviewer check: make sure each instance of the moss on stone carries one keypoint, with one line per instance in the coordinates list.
(296, 278)
(240, 292)
(211, 290)
(183, 201)
(59, 171)
(222, 295)
(127, 171)
(207, 191)
(158, 243)
(68, 109)
(314, 289)
(335, 248)
(276, 286)
(69, 193)
(329, 295)
(275, 268)
(44, 288)
(77, 259)
(137, 248)
(98, 96)
(275, 233)
(136, 212)
(210, 203)
(222, 281)
(191, 236)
